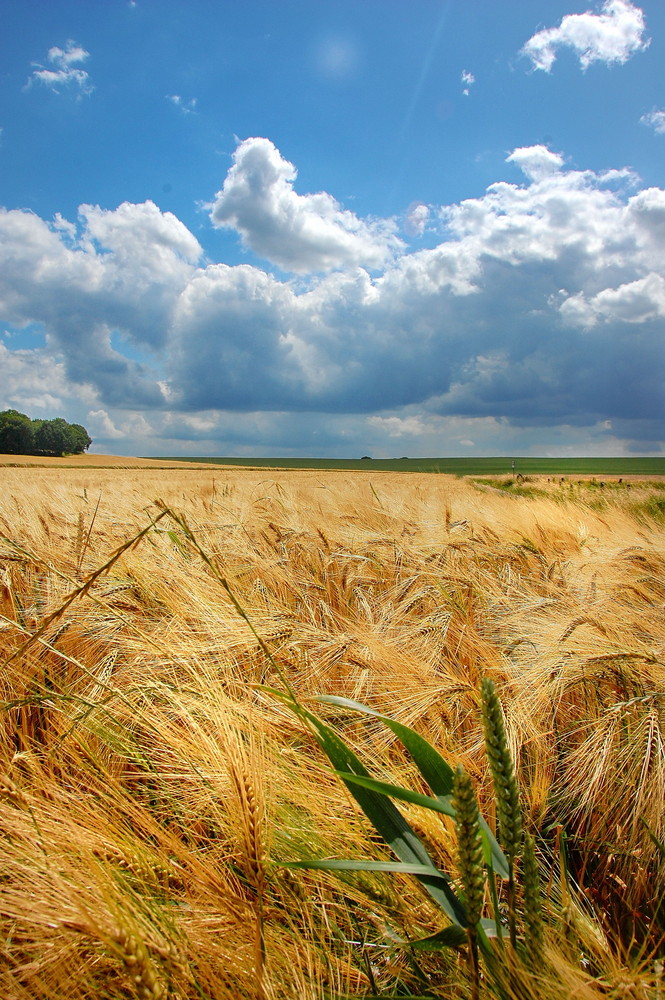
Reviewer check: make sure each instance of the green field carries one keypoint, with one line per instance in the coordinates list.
(458, 466)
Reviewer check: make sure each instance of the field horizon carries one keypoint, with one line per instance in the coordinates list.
(645, 466)
(468, 466)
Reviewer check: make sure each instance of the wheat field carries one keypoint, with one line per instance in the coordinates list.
(157, 792)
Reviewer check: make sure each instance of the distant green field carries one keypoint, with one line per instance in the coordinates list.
(457, 466)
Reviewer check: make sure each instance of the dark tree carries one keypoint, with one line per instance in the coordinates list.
(82, 439)
(19, 435)
(55, 437)
(16, 433)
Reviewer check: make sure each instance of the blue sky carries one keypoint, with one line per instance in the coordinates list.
(336, 229)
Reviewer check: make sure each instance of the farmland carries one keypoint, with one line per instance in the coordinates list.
(167, 765)
(647, 467)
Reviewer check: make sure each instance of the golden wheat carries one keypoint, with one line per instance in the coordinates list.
(153, 794)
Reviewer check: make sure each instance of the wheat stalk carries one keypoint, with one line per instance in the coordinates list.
(470, 860)
(509, 812)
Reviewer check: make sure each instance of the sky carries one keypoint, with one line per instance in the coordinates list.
(335, 228)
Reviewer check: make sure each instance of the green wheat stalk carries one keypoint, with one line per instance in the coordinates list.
(470, 860)
(533, 911)
(506, 792)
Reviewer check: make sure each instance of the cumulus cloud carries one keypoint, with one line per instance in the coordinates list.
(632, 302)
(123, 425)
(542, 305)
(537, 162)
(36, 380)
(101, 425)
(153, 241)
(416, 218)
(299, 233)
(655, 120)
(611, 36)
(122, 272)
(63, 71)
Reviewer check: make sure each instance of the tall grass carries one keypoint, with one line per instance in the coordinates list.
(155, 799)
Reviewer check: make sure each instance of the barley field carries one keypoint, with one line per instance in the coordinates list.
(180, 652)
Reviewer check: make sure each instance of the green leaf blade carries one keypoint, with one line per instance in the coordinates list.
(443, 806)
(387, 820)
(362, 865)
(436, 771)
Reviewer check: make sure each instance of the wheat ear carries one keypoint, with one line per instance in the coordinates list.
(139, 966)
(506, 792)
(252, 819)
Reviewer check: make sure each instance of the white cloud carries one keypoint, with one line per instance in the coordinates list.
(537, 162)
(655, 120)
(398, 427)
(64, 72)
(632, 302)
(121, 426)
(647, 211)
(64, 226)
(187, 107)
(99, 424)
(66, 57)
(468, 79)
(345, 435)
(156, 242)
(416, 218)
(124, 273)
(612, 36)
(300, 233)
(473, 326)
(37, 380)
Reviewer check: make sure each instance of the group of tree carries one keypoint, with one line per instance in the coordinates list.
(19, 435)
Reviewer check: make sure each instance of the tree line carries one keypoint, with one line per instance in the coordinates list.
(19, 435)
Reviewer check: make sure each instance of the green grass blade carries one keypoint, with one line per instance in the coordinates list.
(386, 819)
(494, 857)
(398, 792)
(362, 865)
(450, 937)
(434, 769)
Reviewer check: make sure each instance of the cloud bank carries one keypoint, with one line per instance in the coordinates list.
(541, 306)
